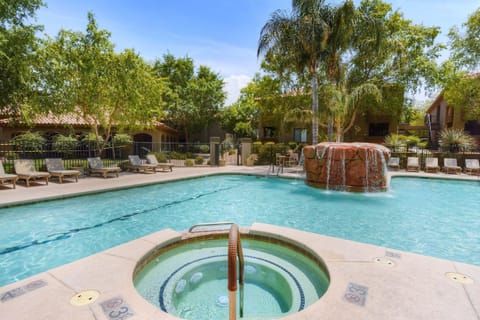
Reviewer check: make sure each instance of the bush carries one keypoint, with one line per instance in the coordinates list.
(65, 144)
(189, 163)
(455, 140)
(199, 160)
(91, 138)
(122, 139)
(161, 157)
(204, 148)
(178, 155)
(266, 153)
(29, 141)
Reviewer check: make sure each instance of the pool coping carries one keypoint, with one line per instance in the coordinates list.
(363, 283)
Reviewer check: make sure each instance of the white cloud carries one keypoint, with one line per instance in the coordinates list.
(233, 85)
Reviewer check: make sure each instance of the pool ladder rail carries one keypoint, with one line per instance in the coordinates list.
(234, 250)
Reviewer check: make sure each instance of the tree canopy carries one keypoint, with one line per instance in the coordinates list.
(17, 53)
(195, 97)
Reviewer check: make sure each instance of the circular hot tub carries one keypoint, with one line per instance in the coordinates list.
(188, 279)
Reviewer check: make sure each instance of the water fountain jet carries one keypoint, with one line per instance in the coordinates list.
(359, 167)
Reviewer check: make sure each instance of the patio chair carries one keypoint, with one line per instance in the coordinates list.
(5, 177)
(56, 168)
(472, 166)
(292, 159)
(25, 169)
(412, 164)
(450, 166)
(137, 165)
(96, 166)
(431, 165)
(152, 159)
(394, 163)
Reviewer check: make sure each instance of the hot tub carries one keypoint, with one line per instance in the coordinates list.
(188, 279)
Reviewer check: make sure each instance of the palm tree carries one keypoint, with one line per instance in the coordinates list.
(300, 38)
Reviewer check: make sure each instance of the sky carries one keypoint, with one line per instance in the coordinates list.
(220, 34)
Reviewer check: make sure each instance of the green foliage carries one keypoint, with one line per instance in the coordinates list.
(81, 73)
(18, 46)
(178, 155)
(122, 139)
(161, 157)
(63, 143)
(92, 138)
(199, 160)
(464, 92)
(465, 48)
(194, 99)
(454, 140)
(204, 148)
(29, 141)
(400, 140)
(189, 163)
(266, 152)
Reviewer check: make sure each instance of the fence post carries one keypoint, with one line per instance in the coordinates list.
(214, 150)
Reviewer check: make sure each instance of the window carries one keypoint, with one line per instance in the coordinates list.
(472, 127)
(300, 135)
(377, 129)
(269, 132)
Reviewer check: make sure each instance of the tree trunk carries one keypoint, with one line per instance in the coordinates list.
(315, 108)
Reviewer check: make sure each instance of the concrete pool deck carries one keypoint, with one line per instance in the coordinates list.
(367, 281)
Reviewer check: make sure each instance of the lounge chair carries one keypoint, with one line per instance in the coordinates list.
(5, 177)
(25, 169)
(412, 164)
(394, 163)
(151, 159)
(96, 166)
(472, 166)
(56, 168)
(450, 166)
(431, 165)
(137, 165)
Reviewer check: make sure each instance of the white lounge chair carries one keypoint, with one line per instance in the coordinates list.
(394, 163)
(412, 164)
(431, 165)
(56, 168)
(96, 166)
(152, 159)
(137, 165)
(450, 166)
(6, 177)
(472, 166)
(25, 169)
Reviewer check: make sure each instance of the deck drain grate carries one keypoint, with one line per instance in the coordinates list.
(384, 261)
(459, 277)
(85, 297)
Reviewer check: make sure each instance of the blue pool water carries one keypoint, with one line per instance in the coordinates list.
(431, 217)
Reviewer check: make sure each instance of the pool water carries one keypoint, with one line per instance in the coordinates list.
(190, 280)
(432, 217)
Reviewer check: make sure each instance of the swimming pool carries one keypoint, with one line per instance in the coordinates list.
(432, 217)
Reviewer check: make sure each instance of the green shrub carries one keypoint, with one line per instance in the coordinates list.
(161, 157)
(199, 160)
(204, 148)
(395, 140)
(188, 163)
(266, 153)
(122, 139)
(91, 138)
(178, 155)
(65, 144)
(29, 141)
(455, 140)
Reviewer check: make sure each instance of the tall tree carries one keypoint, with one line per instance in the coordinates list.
(17, 52)
(194, 98)
(81, 74)
(300, 37)
(465, 48)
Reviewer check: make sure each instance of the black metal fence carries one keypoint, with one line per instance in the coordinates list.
(75, 155)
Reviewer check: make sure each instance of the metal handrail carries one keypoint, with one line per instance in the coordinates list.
(234, 250)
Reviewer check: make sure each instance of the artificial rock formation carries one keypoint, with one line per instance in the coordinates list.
(347, 166)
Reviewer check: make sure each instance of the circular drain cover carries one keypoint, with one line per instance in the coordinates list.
(385, 261)
(85, 297)
(459, 277)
